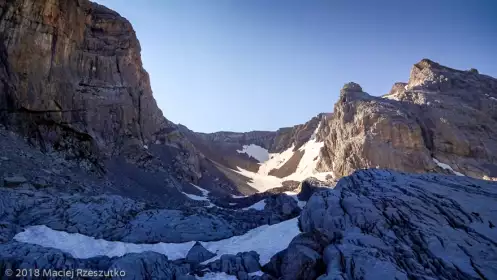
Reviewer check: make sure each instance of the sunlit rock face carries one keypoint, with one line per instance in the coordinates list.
(441, 115)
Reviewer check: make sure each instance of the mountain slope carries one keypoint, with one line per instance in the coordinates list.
(72, 82)
(261, 160)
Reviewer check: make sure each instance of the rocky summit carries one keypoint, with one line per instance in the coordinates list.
(441, 120)
(95, 180)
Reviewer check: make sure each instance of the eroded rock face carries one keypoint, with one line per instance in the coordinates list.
(72, 81)
(78, 71)
(441, 113)
(379, 224)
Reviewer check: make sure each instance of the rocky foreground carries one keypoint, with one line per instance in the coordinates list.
(379, 224)
(375, 224)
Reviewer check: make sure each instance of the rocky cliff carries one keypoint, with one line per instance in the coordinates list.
(379, 224)
(442, 120)
(75, 70)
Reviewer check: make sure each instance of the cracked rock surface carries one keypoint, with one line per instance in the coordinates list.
(379, 224)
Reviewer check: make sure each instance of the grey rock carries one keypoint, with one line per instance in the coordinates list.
(174, 226)
(240, 264)
(109, 217)
(147, 265)
(309, 186)
(273, 267)
(383, 224)
(14, 181)
(282, 207)
(198, 254)
(250, 261)
(301, 260)
(186, 277)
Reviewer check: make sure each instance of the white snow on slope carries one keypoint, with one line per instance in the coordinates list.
(84, 247)
(447, 167)
(276, 161)
(257, 152)
(308, 162)
(257, 206)
(306, 168)
(266, 240)
(204, 196)
(260, 182)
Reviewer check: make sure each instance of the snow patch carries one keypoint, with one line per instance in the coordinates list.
(257, 206)
(257, 152)
(217, 276)
(84, 247)
(315, 133)
(257, 273)
(493, 98)
(308, 162)
(260, 182)
(204, 196)
(276, 161)
(306, 168)
(447, 167)
(266, 240)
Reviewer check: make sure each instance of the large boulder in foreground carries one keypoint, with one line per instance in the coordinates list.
(379, 224)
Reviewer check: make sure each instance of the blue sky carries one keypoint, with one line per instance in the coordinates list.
(241, 65)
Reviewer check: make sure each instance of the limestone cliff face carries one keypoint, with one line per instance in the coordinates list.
(77, 71)
(441, 114)
(72, 81)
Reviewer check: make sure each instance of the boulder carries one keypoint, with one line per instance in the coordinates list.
(309, 186)
(198, 254)
(240, 264)
(282, 207)
(301, 260)
(14, 181)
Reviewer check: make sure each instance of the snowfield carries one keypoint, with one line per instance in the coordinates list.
(204, 196)
(257, 152)
(306, 168)
(85, 247)
(257, 206)
(266, 240)
(275, 161)
(260, 182)
(447, 167)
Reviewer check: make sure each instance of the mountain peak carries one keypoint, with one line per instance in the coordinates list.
(351, 86)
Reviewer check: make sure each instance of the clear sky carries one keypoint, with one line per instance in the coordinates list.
(241, 65)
